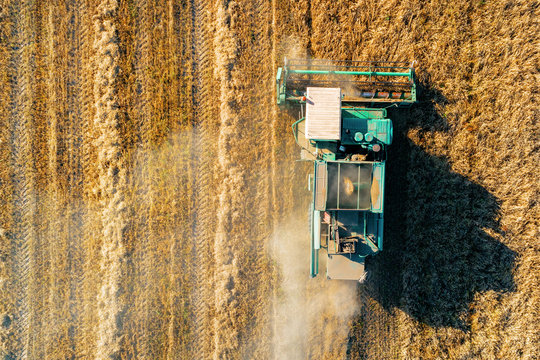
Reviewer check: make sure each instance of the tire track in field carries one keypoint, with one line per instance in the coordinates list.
(91, 227)
(75, 210)
(24, 235)
(164, 168)
(143, 182)
(58, 188)
(112, 184)
(178, 36)
(204, 155)
(39, 144)
(275, 213)
(256, 99)
(7, 301)
(177, 110)
(153, 249)
(52, 201)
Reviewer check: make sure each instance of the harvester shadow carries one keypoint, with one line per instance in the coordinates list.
(441, 231)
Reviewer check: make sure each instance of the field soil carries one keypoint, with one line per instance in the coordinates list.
(151, 206)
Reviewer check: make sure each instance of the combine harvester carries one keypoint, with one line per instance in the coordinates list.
(345, 132)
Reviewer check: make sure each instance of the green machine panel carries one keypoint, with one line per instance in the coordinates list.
(365, 126)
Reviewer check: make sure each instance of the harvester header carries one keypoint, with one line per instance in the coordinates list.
(345, 132)
(360, 81)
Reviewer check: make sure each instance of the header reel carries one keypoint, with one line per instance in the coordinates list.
(360, 81)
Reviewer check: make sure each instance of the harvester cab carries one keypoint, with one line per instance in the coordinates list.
(344, 129)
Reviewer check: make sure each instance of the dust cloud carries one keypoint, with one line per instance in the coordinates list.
(311, 316)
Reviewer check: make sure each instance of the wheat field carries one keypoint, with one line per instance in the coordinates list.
(151, 206)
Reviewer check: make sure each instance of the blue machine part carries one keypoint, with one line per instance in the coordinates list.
(368, 137)
(381, 129)
(365, 126)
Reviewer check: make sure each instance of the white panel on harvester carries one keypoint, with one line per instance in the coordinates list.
(323, 113)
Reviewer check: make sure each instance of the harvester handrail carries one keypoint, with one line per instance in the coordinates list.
(401, 66)
(352, 81)
(293, 67)
(341, 72)
(345, 61)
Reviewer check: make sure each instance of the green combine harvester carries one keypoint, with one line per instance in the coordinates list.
(344, 129)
